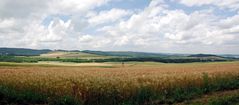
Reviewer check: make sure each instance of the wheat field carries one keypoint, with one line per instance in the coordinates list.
(141, 82)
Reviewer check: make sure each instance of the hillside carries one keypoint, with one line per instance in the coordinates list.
(209, 56)
(203, 55)
(72, 54)
(231, 56)
(21, 52)
(126, 53)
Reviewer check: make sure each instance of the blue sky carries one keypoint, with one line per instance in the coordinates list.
(126, 4)
(171, 26)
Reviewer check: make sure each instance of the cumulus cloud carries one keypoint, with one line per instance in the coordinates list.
(157, 24)
(97, 25)
(108, 16)
(7, 23)
(56, 31)
(86, 38)
(75, 6)
(22, 21)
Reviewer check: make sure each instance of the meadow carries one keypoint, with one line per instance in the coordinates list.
(134, 83)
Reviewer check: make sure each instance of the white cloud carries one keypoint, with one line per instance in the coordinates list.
(21, 22)
(90, 41)
(7, 23)
(196, 2)
(85, 38)
(23, 8)
(57, 30)
(75, 6)
(224, 4)
(108, 16)
(36, 34)
(229, 21)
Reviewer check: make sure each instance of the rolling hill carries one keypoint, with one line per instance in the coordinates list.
(73, 54)
(203, 55)
(32, 55)
(22, 52)
(126, 53)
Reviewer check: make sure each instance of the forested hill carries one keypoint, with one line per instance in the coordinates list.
(204, 55)
(22, 51)
(126, 53)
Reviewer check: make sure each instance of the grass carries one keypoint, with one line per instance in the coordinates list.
(225, 100)
(141, 84)
(227, 97)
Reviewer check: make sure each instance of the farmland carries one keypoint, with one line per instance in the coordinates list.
(82, 55)
(134, 83)
(87, 56)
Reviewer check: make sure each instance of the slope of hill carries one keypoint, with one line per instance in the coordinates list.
(71, 54)
(126, 53)
(22, 51)
(203, 55)
(209, 57)
(231, 56)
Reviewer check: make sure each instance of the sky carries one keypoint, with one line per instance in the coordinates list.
(166, 26)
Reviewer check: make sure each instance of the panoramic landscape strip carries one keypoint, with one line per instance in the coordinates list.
(97, 79)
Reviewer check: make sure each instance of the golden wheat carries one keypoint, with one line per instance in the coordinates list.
(83, 82)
